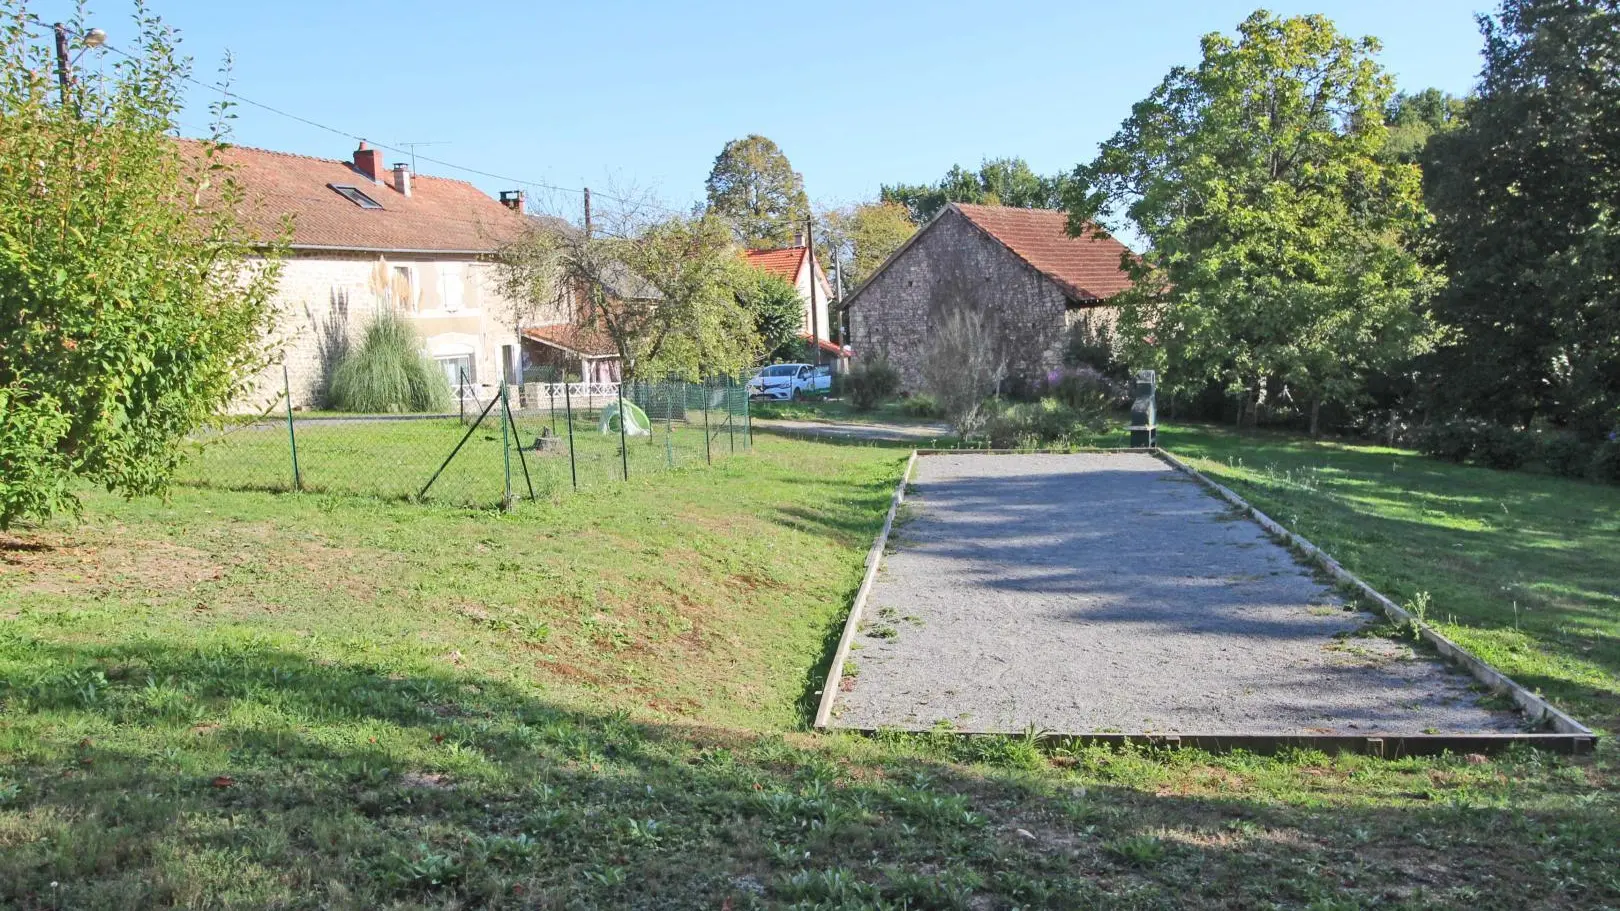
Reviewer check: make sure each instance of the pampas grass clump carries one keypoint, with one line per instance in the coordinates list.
(387, 372)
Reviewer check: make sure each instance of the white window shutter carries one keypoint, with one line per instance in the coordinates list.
(450, 286)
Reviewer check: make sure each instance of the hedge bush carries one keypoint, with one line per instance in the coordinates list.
(871, 382)
(1451, 441)
(1503, 448)
(921, 406)
(1564, 453)
(1025, 425)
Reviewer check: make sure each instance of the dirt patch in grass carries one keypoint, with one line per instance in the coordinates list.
(97, 562)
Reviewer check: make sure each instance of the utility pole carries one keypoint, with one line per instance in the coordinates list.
(810, 254)
(587, 213)
(838, 298)
(64, 63)
(62, 75)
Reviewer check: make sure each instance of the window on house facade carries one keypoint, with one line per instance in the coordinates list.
(458, 369)
(354, 195)
(402, 288)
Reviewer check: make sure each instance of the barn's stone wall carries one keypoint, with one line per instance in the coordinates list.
(892, 314)
(325, 300)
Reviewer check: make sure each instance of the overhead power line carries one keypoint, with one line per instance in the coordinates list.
(535, 184)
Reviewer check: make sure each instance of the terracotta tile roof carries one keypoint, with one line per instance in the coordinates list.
(826, 346)
(1087, 268)
(440, 214)
(785, 262)
(589, 341)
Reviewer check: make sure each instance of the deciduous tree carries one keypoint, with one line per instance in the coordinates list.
(1281, 238)
(664, 289)
(756, 190)
(1527, 200)
(133, 303)
(997, 182)
(859, 238)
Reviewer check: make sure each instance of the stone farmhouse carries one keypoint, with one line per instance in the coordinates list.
(368, 239)
(1021, 262)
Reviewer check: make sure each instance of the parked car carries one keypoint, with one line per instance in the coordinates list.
(786, 382)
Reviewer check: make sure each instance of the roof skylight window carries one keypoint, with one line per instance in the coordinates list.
(353, 194)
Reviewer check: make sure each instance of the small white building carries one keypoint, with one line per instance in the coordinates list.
(794, 265)
(368, 239)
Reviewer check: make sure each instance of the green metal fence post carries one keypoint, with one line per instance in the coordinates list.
(523, 460)
(624, 446)
(731, 422)
(506, 451)
(568, 403)
(669, 423)
(708, 456)
(292, 438)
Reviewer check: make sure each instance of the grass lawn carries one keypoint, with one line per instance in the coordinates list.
(1521, 569)
(394, 458)
(251, 700)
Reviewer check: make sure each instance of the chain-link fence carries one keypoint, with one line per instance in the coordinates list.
(526, 441)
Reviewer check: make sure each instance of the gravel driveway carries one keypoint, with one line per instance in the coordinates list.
(1108, 592)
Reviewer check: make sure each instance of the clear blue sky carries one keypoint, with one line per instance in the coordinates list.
(645, 94)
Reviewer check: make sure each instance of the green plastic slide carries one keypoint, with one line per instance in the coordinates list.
(638, 425)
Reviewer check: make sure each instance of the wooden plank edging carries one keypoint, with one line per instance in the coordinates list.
(874, 559)
(1534, 707)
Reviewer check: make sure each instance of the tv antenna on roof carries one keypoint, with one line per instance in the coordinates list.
(411, 147)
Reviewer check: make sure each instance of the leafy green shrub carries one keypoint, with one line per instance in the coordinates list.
(1047, 422)
(1091, 343)
(921, 406)
(871, 382)
(1564, 453)
(1451, 441)
(1605, 465)
(387, 372)
(1087, 390)
(134, 295)
(1503, 447)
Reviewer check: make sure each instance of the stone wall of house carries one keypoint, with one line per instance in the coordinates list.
(325, 300)
(892, 316)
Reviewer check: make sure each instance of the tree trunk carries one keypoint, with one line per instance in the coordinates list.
(1316, 418)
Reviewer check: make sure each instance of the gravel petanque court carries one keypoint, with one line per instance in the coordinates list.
(1093, 593)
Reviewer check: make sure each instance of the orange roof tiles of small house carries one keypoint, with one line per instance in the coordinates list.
(785, 262)
(1087, 267)
(439, 215)
(588, 341)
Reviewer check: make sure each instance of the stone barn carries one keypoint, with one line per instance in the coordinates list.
(1032, 280)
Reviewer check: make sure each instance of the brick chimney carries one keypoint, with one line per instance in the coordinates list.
(513, 199)
(368, 161)
(402, 178)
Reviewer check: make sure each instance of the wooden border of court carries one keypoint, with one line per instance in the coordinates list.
(1569, 735)
(874, 560)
